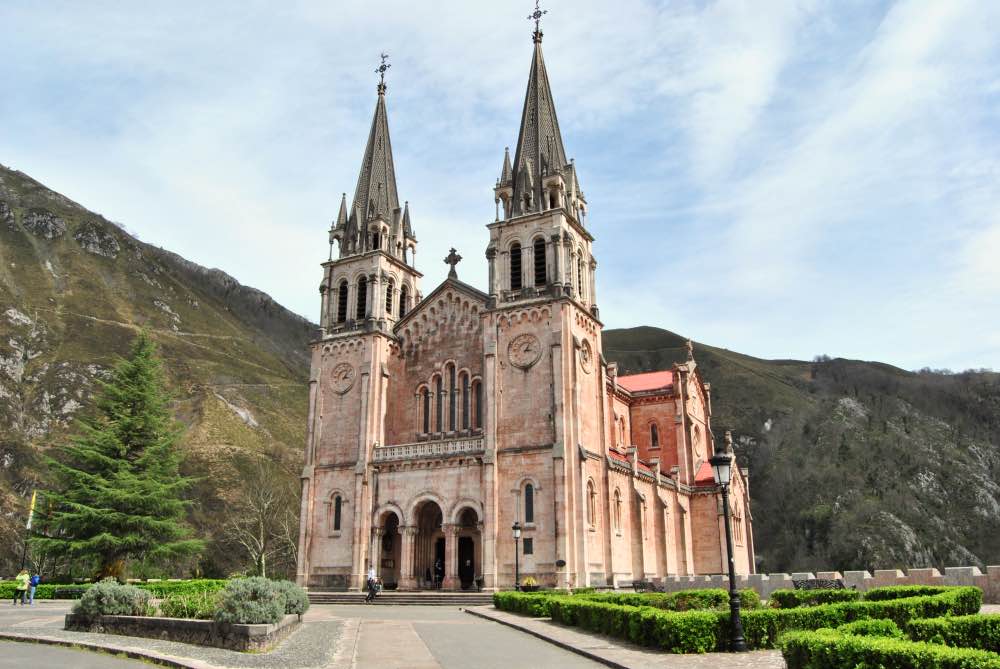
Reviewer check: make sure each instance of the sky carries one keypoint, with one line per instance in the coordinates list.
(782, 178)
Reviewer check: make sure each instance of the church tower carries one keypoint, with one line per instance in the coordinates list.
(544, 329)
(369, 286)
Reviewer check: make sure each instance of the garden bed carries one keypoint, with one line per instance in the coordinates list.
(231, 636)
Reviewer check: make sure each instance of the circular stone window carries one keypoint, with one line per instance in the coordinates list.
(586, 356)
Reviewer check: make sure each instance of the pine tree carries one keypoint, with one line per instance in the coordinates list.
(119, 494)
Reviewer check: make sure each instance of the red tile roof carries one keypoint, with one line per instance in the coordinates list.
(649, 381)
(705, 476)
(618, 456)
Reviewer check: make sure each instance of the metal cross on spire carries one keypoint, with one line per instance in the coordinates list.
(381, 70)
(453, 259)
(536, 16)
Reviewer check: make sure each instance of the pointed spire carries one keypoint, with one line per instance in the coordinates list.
(376, 192)
(342, 216)
(506, 173)
(407, 226)
(539, 142)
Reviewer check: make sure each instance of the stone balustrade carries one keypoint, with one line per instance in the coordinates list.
(430, 449)
(765, 584)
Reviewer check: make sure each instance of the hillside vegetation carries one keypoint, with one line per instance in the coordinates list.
(74, 290)
(853, 465)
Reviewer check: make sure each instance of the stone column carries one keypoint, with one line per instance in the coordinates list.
(491, 257)
(406, 580)
(375, 555)
(451, 581)
(593, 282)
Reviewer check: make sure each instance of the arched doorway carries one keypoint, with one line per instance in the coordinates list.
(429, 546)
(389, 550)
(468, 548)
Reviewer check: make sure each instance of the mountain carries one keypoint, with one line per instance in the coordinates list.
(75, 288)
(853, 465)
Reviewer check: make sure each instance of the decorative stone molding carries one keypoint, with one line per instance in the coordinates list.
(468, 446)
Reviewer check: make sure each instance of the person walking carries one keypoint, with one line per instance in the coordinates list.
(21, 586)
(32, 584)
(371, 585)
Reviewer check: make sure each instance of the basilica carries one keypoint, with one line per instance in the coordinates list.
(439, 421)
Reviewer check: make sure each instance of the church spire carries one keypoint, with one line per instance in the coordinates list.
(540, 149)
(375, 196)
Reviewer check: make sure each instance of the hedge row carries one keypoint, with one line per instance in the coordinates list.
(829, 649)
(901, 591)
(790, 599)
(158, 589)
(684, 600)
(690, 630)
(980, 631)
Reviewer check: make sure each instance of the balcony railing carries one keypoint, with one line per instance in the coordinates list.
(463, 446)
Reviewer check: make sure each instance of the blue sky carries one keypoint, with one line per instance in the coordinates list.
(782, 178)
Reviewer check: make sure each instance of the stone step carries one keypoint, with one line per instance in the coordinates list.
(405, 598)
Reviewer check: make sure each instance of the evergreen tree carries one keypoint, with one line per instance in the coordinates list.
(119, 495)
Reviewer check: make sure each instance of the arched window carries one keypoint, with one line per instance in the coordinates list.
(337, 503)
(452, 392)
(515, 266)
(389, 288)
(579, 275)
(404, 297)
(618, 511)
(591, 503)
(361, 310)
(342, 302)
(477, 398)
(539, 248)
(654, 436)
(425, 401)
(529, 503)
(439, 397)
(466, 409)
(376, 241)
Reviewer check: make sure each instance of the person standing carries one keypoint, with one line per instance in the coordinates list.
(371, 585)
(21, 586)
(32, 584)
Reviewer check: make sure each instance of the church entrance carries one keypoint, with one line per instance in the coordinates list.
(389, 551)
(466, 562)
(428, 547)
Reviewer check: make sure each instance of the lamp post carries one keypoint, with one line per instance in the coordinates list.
(722, 463)
(517, 553)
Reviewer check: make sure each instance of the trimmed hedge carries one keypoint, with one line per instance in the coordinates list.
(197, 605)
(44, 590)
(158, 589)
(790, 599)
(980, 631)
(684, 600)
(901, 591)
(873, 627)
(828, 649)
(532, 604)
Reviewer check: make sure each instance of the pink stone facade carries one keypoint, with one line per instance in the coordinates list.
(437, 422)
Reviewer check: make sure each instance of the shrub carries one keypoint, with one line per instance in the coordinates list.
(789, 599)
(980, 631)
(528, 604)
(196, 605)
(110, 598)
(684, 600)
(873, 627)
(827, 649)
(296, 599)
(901, 591)
(252, 600)
(190, 586)
(46, 590)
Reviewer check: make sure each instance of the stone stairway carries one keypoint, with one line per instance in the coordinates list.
(419, 598)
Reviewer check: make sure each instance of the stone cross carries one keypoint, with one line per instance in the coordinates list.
(452, 259)
(537, 15)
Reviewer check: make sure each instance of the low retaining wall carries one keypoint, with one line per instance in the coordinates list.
(765, 584)
(256, 638)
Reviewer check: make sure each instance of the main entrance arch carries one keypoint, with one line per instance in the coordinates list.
(429, 545)
(388, 549)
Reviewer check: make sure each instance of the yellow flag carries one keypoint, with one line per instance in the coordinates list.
(31, 509)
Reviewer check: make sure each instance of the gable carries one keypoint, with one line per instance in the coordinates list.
(453, 310)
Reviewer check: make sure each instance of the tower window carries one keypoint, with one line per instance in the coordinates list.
(579, 276)
(404, 296)
(337, 502)
(439, 391)
(515, 266)
(591, 503)
(452, 408)
(654, 436)
(361, 310)
(342, 302)
(425, 400)
(465, 402)
(529, 503)
(389, 288)
(539, 248)
(618, 510)
(477, 396)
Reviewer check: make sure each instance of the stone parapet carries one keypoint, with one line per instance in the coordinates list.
(765, 584)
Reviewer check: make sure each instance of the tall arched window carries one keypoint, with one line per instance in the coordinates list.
(477, 398)
(452, 392)
(404, 297)
(389, 288)
(591, 503)
(466, 409)
(342, 302)
(439, 397)
(618, 511)
(579, 275)
(337, 502)
(515, 266)
(654, 436)
(425, 401)
(529, 503)
(539, 249)
(361, 310)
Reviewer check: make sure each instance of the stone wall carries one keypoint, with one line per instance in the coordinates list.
(765, 584)
(244, 638)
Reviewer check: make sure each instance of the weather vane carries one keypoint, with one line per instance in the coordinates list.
(537, 15)
(381, 70)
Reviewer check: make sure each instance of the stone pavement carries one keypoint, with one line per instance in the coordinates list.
(20, 655)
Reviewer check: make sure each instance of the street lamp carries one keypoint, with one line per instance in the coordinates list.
(517, 552)
(722, 470)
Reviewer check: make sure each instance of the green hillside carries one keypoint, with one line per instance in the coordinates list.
(852, 464)
(74, 289)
